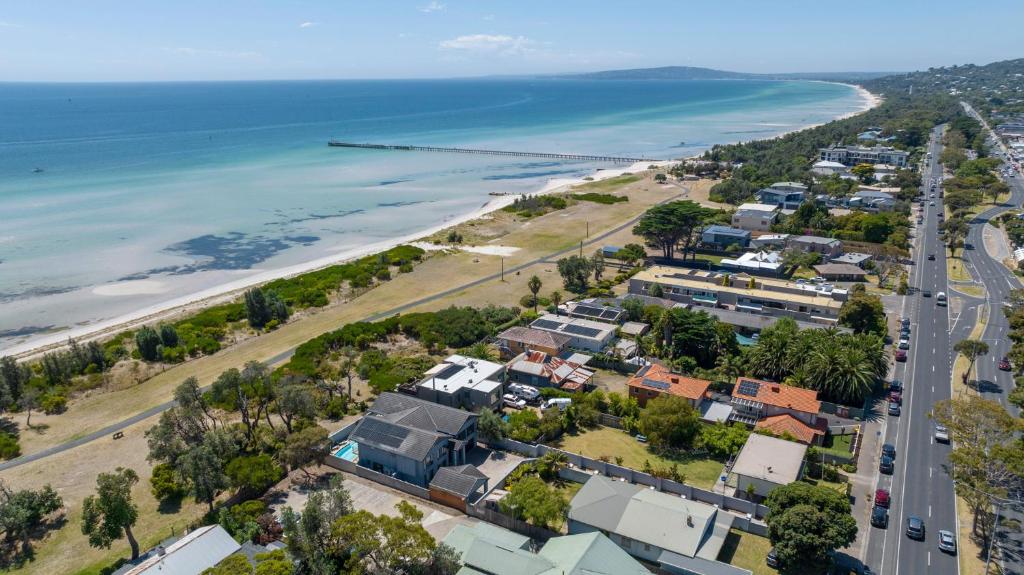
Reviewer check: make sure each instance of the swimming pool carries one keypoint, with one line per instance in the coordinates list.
(347, 450)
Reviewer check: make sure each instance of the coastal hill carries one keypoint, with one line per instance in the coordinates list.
(697, 73)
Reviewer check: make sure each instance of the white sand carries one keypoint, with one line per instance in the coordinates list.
(136, 287)
(484, 250)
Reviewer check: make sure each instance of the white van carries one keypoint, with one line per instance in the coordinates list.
(940, 299)
(527, 392)
(560, 402)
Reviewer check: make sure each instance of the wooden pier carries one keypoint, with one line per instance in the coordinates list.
(569, 157)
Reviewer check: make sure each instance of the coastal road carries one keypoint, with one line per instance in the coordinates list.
(285, 355)
(919, 485)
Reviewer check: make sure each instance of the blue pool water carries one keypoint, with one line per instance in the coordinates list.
(348, 451)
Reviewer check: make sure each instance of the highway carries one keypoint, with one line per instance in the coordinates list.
(919, 485)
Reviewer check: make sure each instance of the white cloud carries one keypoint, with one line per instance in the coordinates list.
(434, 6)
(489, 43)
(308, 24)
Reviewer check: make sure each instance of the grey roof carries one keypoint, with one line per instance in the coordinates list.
(699, 565)
(754, 214)
(530, 336)
(378, 432)
(461, 480)
(199, 550)
(770, 459)
(834, 269)
(815, 240)
(420, 414)
(727, 231)
(851, 258)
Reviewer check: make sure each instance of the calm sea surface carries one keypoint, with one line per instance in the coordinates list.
(115, 197)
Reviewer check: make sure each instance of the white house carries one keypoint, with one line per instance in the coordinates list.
(755, 217)
(767, 462)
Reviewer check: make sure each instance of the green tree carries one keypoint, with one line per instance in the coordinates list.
(490, 427)
(597, 265)
(384, 543)
(724, 440)
(669, 421)
(168, 335)
(256, 308)
(23, 512)
(550, 464)
(531, 499)
(304, 447)
(203, 465)
(309, 535)
(693, 334)
(147, 340)
(575, 272)
(13, 378)
(863, 313)
(864, 172)
(164, 484)
(534, 284)
(556, 299)
(29, 402)
(666, 226)
(972, 349)
(111, 513)
(249, 391)
(806, 524)
(253, 473)
(295, 401)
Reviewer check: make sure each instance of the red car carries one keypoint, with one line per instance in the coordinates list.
(896, 397)
(1004, 364)
(882, 498)
(901, 355)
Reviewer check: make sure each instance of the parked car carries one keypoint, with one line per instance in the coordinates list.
(896, 397)
(889, 450)
(882, 498)
(947, 541)
(894, 409)
(885, 465)
(915, 528)
(1004, 364)
(896, 385)
(900, 355)
(879, 517)
(772, 559)
(941, 434)
(641, 438)
(513, 401)
(560, 402)
(904, 343)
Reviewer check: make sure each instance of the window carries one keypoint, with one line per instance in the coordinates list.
(647, 546)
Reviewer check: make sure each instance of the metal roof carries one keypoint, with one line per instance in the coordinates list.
(421, 414)
(770, 459)
(462, 480)
(201, 549)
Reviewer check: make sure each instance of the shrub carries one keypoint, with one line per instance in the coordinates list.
(383, 274)
(599, 198)
(163, 484)
(53, 403)
(9, 448)
(336, 408)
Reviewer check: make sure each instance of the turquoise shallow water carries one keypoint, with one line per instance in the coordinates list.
(188, 186)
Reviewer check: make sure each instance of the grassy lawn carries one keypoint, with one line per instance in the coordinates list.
(971, 290)
(712, 259)
(607, 184)
(839, 445)
(702, 473)
(747, 551)
(956, 270)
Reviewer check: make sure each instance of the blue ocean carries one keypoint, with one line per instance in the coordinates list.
(117, 197)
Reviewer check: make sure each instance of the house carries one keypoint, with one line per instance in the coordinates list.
(884, 171)
(539, 369)
(456, 485)
(588, 309)
(755, 217)
(763, 241)
(765, 463)
(785, 195)
(827, 247)
(679, 535)
(739, 293)
(841, 272)
(755, 263)
(201, 549)
(853, 155)
(516, 340)
(410, 439)
(827, 168)
(754, 400)
(721, 237)
(634, 329)
(853, 258)
(656, 379)
(464, 382)
(872, 200)
(486, 549)
(582, 333)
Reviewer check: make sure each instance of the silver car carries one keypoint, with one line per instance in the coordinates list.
(947, 541)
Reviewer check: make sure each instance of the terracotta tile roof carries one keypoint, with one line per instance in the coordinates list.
(784, 424)
(538, 337)
(779, 395)
(661, 379)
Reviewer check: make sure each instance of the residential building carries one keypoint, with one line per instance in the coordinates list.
(457, 485)
(680, 535)
(884, 171)
(853, 155)
(827, 247)
(464, 382)
(765, 463)
(634, 329)
(721, 237)
(516, 340)
(785, 195)
(655, 380)
(194, 553)
(539, 369)
(763, 296)
(410, 438)
(589, 309)
(853, 258)
(872, 200)
(755, 263)
(763, 241)
(841, 272)
(827, 168)
(486, 549)
(755, 217)
(754, 400)
(582, 333)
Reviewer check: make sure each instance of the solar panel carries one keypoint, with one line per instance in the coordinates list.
(750, 388)
(609, 313)
(580, 330)
(546, 324)
(449, 371)
(656, 384)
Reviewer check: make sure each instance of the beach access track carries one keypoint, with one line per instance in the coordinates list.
(569, 157)
(286, 355)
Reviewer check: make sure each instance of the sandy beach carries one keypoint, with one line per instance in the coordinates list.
(179, 306)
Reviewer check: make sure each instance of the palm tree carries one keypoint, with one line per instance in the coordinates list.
(534, 284)
(556, 298)
(551, 463)
(730, 366)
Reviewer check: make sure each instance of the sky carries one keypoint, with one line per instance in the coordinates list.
(176, 40)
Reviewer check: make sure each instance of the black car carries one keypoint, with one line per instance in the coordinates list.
(772, 559)
(896, 385)
(915, 528)
(931, 257)
(926, 293)
(889, 450)
(880, 517)
(885, 465)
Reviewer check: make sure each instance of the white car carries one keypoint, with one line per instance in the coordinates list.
(512, 401)
(941, 434)
(947, 541)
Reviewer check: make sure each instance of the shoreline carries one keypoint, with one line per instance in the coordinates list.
(224, 292)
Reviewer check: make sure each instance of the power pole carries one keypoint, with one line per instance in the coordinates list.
(502, 269)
